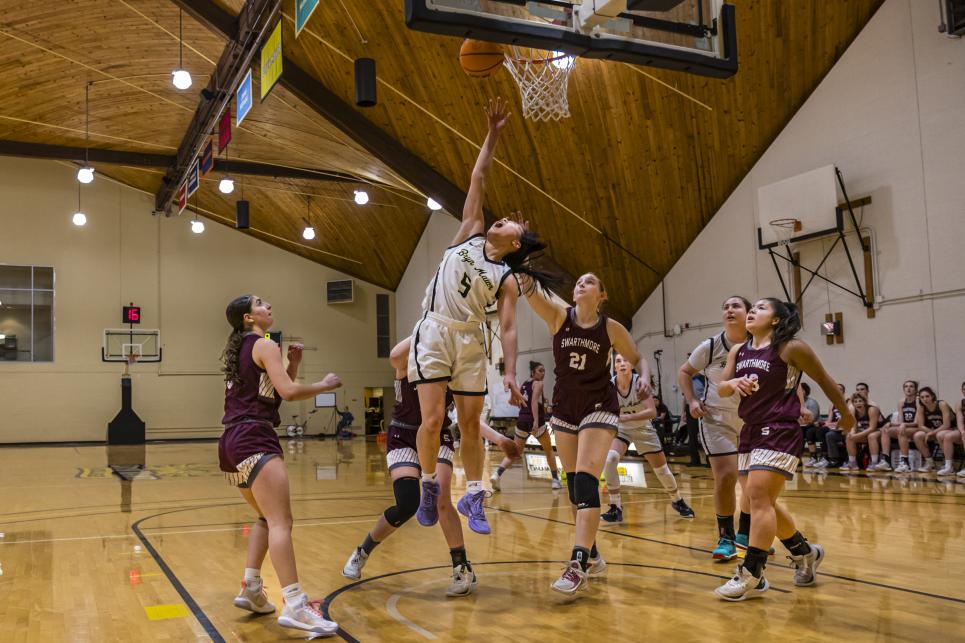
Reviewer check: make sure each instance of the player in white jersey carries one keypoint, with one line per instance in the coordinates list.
(447, 346)
(719, 424)
(636, 410)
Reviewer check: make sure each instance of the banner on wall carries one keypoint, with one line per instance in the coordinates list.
(271, 61)
(207, 157)
(193, 179)
(243, 98)
(303, 11)
(224, 130)
(182, 197)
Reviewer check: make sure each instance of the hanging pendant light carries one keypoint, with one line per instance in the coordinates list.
(181, 77)
(86, 173)
(79, 219)
(309, 232)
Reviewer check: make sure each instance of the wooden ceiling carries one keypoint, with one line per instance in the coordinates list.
(621, 188)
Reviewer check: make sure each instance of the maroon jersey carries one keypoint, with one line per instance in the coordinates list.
(908, 410)
(582, 357)
(862, 422)
(526, 411)
(407, 410)
(933, 419)
(255, 398)
(774, 398)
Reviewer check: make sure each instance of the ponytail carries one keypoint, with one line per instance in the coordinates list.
(524, 261)
(533, 366)
(230, 356)
(789, 324)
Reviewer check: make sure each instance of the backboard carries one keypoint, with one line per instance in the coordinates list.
(122, 344)
(812, 198)
(693, 36)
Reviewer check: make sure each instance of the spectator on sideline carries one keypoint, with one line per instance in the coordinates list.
(833, 439)
(813, 431)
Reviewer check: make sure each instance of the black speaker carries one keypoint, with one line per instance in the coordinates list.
(365, 82)
(241, 215)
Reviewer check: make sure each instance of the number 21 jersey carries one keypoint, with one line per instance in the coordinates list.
(466, 283)
(582, 357)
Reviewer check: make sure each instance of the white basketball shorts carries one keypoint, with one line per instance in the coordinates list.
(445, 350)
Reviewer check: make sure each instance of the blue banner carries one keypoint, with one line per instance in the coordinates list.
(193, 178)
(303, 11)
(243, 98)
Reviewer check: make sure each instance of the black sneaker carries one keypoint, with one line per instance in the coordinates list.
(681, 507)
(613, 514)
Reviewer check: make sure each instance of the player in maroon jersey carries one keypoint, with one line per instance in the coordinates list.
(585, 407)
(532, 421)
(766, 371)
(403, 461)
(256, 382)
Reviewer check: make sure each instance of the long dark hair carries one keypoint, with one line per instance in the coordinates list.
(235, 313)
(533, 366)
(928, 389)
(747, 304)
(789, 324)
(525, 261)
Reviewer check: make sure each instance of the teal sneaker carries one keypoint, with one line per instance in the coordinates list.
(725, 550)
(741, 541)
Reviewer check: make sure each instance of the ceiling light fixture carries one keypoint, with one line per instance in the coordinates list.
(309, 232)
(86, 173)
(361, 197)
(79, 219)
(226, 185)
(197, 227)
(433, 204)
(181, 76)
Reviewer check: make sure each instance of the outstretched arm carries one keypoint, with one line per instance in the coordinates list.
(266, 354)
(497, 113)
(802, 356)
(506, 308)
(549, 310)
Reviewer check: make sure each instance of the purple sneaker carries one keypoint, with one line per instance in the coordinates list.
(428, 513)
(471, 506)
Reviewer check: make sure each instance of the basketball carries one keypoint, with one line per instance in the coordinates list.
(479, 59)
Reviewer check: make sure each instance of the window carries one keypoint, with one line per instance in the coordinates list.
(26, 314)
(383, 340)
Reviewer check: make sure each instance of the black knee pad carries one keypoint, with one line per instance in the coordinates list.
(587, 491)
(406, 501)
(571, 486)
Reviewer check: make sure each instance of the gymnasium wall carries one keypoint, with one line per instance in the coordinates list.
(889, 115)
(183, 282)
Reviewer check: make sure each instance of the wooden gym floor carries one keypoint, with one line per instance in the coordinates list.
(88, 557)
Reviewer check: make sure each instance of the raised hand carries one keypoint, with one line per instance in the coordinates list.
(497, 113)
(331, 382)
(295, 353)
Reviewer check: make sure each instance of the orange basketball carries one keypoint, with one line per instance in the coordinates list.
(479, 58)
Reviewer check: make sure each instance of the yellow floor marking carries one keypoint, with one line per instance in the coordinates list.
(161, 612)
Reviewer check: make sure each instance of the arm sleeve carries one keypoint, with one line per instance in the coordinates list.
(700, 358)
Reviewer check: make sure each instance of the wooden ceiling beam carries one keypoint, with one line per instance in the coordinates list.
(253, 23)
(20, 149)
(373, 139)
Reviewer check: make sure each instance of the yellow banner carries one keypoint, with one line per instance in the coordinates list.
(271, 58)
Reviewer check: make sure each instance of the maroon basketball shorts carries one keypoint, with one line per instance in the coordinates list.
(244, 449)
(770, 447)
(524, 428)
(401, 448)
(573, 417)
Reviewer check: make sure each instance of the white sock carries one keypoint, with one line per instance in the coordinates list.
(252, 576)
(294, 596)
(615, 498)
(474, 486)
(610, 471)
(949, 464)
(665, 476)
(874, 459)
(429, 477)
(852, 459)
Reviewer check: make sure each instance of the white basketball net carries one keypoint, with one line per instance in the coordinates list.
(543, 78)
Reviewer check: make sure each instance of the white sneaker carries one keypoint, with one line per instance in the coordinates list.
(848, 466)
(353, 568)
(742, 586)
(572, 580)
(902, 468)
(494, 481)
(821, 464)
(961, 474)
(555, 484)
(810, 462)
(596, 567)
(463, 582)
(926, 468)
(882, 466)
(947, 470)
(254, 599)
(306, 616)
(806, 567)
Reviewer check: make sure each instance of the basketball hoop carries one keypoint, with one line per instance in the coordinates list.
(543, 79)
(784, 229)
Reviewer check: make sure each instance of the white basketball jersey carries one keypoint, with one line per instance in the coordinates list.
(710, 356)
(632, 402)
(466, 283)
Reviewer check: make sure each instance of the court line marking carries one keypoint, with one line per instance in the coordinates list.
(705, 551)
(326, 603)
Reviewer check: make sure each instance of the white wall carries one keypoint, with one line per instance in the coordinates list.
(183, 282)
(889, 115)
